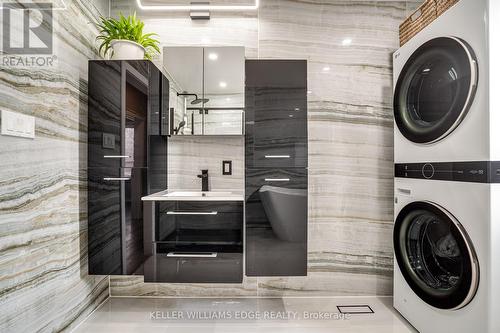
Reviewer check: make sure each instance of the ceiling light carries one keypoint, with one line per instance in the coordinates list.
(326, 69)
(198, 7)
(222, 84)
(228, 99)
(347, 42)
(213, 56)
(309, 92)
(199, 14)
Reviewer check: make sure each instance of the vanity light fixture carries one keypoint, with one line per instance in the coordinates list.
(197, 7)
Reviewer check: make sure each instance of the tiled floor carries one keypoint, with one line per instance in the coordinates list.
(238, 315)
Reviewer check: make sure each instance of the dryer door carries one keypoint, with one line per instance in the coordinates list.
(435, 255)
(435, 89)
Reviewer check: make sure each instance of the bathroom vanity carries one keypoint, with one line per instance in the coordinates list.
(193, 237)
(139, 226)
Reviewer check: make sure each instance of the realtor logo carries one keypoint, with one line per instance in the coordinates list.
(27, 28)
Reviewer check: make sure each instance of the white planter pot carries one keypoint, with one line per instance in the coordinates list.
(127, 50)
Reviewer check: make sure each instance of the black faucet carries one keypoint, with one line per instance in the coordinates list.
(204, 180)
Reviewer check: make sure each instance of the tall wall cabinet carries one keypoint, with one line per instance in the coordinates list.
(127, 159)
(276, 167)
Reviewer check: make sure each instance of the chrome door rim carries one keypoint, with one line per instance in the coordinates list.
(471, 254)
(474, 75)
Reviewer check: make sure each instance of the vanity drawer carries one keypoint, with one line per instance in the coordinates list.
(192, 267)
(185, 224)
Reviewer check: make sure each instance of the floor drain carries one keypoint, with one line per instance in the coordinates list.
(355, 309)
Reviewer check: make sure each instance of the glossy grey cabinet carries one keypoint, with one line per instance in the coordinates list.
(276, 113)
(127, 159)
(276, 167)
(196, 242)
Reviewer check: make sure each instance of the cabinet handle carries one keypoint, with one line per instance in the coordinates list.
(116, 156)
(277, 179)
(191, 213)
(277, 156)
(192, 255)
(117, 178)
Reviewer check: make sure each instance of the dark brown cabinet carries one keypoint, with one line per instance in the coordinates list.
(276, 167)
(127, 159)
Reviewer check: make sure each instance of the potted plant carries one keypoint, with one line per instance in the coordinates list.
(123, 39)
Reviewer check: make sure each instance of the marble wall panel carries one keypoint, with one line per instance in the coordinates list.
(189, 155)
(44, 285)
(134, 285)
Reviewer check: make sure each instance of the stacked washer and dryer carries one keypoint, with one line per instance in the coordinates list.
(447, 175)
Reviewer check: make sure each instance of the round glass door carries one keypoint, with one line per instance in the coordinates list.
(435, 89)
(435, 256)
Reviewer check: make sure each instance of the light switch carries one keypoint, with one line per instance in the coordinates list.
(17, 124)
(227, 167)
(108, 141)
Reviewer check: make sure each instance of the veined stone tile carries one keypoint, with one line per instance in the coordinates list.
(351, 172)
(43, 238)
(189, 155)
(326, 284)
(135, 286)
(351, 246)
(317, 30)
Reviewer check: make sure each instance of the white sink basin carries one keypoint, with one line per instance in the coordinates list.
(197, 194)
(176, 195)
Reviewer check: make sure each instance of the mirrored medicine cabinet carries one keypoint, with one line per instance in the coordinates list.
(207, 90)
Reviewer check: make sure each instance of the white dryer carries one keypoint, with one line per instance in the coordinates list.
(447, 246)
(445, 87)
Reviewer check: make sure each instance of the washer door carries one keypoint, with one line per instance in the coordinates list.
(435, 256)
(435, 89)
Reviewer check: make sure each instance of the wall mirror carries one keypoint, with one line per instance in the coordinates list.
(207, 89)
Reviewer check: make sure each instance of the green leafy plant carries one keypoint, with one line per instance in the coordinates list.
(129, 28)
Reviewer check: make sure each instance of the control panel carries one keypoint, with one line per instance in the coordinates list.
(474, 172)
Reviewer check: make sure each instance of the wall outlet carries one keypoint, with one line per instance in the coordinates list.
(17, 124)
(227, 168)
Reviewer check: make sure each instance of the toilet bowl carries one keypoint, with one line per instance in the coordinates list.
(286, 210)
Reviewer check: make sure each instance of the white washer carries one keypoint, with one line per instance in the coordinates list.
(443, 81)
(447, 255)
